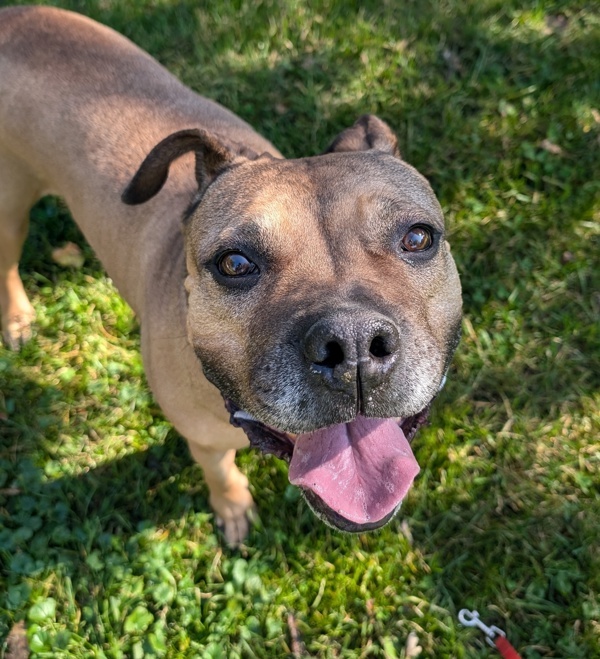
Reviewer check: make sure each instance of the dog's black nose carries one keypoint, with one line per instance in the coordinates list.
(351, 347)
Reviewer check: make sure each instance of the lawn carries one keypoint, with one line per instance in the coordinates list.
(108, 547)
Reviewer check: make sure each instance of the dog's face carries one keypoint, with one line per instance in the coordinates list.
(325, 305)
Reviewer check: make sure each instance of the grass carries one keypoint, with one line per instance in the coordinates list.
(107, 544)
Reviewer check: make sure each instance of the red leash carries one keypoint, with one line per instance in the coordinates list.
(495, 636)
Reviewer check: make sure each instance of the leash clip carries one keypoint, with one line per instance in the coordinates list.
(471, 619)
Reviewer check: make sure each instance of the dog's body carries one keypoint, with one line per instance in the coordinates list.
(80, 109)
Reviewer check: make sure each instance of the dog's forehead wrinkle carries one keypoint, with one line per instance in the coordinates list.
(283, 218)
(246, 232)
(368, 203)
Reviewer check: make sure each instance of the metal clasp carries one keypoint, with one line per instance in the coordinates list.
(471, 619)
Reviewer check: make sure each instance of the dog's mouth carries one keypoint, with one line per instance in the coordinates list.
(353, 475)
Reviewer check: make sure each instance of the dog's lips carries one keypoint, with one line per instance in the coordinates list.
(262, 437)
(355, 475)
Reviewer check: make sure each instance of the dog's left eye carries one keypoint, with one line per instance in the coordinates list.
(235, 264)
(417, 239)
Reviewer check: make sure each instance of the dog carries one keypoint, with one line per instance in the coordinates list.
(309, 307)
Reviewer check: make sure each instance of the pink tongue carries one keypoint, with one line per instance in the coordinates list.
(362, 470)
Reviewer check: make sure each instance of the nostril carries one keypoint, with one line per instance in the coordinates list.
(334, 355)
(379, 348)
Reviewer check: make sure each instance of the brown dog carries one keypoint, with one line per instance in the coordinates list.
(318, 295)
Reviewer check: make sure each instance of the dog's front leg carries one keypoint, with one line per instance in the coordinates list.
(195, 407)
(229, 495)
(18, 191)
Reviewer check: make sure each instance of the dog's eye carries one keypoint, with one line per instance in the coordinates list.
(417, 239)
(234, 264)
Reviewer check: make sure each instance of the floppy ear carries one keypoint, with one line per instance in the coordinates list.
(212, 157)
(368, 133)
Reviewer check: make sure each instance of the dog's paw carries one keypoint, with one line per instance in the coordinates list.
(234, 514)
(16, 329)
(235, 530)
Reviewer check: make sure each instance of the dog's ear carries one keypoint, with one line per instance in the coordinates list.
(212, 157)
(368, 133)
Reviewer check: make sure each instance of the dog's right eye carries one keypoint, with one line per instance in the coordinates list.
(235, 264)
(418, 239)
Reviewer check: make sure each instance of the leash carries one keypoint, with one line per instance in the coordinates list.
(494, 635)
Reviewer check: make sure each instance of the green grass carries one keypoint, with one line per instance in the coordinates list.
(107, 544)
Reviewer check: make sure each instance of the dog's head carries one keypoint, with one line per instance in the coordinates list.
(324, 304)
